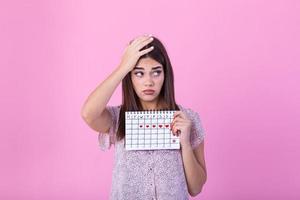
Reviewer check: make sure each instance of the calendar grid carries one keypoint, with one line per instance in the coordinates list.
(145, 130)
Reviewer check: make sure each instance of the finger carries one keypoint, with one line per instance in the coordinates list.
(146, 50)
(139, 40)
(177, 130)
(177, 120)
(176, 127)
(179, 117)
(179, 114)
(178, 123)
(143, 43)
(131, 41)
(134, 40)
(174, 130)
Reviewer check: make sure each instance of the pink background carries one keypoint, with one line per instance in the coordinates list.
(237, 61)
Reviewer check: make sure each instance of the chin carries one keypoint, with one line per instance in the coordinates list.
(148, 98)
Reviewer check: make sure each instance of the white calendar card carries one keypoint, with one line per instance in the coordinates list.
(148, 130)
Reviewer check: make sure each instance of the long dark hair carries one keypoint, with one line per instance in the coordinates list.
(130, 100)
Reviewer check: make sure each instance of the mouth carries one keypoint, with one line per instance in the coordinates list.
(148, 92)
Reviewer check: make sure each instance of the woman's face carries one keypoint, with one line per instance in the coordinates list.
(148, 74)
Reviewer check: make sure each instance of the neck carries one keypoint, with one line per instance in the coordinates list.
(151, 105)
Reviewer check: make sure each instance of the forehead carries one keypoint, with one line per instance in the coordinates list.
(147, 64)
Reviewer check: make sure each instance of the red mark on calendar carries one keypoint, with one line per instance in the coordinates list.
(154, 126)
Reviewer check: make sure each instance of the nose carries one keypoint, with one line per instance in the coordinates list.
(149, 81)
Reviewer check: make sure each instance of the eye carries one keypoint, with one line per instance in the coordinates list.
(157, 73)
(137, 74)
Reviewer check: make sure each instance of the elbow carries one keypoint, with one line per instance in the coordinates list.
(195, 192)
(198, 190)
(85, 116)
(83, 112)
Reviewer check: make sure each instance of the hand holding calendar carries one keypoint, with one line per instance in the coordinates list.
(183, 123)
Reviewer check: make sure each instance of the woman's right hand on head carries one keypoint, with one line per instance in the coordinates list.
(132, 52)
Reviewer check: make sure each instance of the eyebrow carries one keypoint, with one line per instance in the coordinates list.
(153, 68)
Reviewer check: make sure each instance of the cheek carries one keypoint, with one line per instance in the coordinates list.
(160, 80)
(135, 82)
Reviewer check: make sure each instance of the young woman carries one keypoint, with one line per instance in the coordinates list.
(147, 84)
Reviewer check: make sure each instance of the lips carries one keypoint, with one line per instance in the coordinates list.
(148, 91)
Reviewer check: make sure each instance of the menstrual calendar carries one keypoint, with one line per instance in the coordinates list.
(148, 130)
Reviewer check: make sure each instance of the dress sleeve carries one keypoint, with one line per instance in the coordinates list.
(107, 139)
(197, 131)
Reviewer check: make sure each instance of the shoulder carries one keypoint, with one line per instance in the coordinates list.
(114, 110)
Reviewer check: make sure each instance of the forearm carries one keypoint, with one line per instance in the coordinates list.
(98, 99)
(194, 172)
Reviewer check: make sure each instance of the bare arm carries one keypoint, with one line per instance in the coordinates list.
(93, 111)
(193, 159)
(194, 167)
